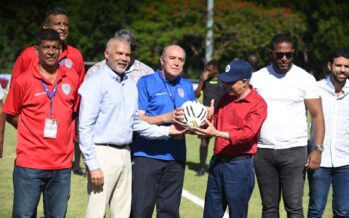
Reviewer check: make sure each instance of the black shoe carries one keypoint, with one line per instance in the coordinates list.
(201, 172)
(78, 171)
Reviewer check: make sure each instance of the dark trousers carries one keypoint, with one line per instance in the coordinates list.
(230, 183)
(156, 182)
(281, 171)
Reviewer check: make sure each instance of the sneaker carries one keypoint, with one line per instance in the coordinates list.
(201, 172)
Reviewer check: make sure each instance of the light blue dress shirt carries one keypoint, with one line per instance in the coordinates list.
(109, 114)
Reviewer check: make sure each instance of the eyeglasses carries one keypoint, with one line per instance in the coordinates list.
(280, 55)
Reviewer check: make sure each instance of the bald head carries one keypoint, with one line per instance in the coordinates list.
(172, 61)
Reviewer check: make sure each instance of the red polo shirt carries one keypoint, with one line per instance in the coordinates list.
(28, 100)
(242, 119)
(70, 58)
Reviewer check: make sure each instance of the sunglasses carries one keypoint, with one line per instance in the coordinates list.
(280, 55)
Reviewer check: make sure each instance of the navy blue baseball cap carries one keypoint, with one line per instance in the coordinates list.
(236, 70)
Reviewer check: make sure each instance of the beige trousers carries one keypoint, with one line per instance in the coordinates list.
(116, 191)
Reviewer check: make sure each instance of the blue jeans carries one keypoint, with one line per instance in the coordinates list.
(229, 183)
(28, 185)
(281, 171)
(320, 181)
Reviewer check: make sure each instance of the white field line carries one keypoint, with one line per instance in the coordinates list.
(196, 200)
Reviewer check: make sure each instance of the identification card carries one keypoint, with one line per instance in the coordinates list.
(50, 130)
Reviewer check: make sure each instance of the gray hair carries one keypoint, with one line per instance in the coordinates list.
(115, 38)
(129, 36)
(165, 50)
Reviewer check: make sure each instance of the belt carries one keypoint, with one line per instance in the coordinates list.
(112, 145)
(225, 158)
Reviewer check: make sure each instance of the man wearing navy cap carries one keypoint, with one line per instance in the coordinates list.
(236, 125)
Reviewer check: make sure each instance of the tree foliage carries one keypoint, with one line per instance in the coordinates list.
(239, 27)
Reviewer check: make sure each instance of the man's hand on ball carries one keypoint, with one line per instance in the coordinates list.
(210, 130)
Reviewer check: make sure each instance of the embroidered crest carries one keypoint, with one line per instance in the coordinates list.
(180, 92)
(68, 63)
(66, 88)
(227, 68)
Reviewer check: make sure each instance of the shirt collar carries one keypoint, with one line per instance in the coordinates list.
(113, 75)
(175, 82)
(60, 74)
(332, 89)
(249, 97)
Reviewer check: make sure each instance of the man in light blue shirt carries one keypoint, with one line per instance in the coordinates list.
(108, 116)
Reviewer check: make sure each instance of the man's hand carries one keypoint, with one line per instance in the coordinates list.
(177, 131)
(204, 76)
(209, 131)
(178, 116)
(314, 160)
(97, 177)
(210, 110)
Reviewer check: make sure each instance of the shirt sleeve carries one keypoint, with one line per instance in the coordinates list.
(91, 92)
(81, 68)
(311, 88)
(18, 68)
(253, 123)
(148, 130)
(143, 97)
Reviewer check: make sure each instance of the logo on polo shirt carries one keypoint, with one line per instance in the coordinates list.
(66, 62)
(180, 92)
(66, 88)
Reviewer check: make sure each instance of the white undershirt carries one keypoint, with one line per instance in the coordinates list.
(286, 123)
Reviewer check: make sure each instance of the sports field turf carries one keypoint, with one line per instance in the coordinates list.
(78, 199)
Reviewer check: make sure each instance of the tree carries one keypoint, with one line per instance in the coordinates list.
(238, 29)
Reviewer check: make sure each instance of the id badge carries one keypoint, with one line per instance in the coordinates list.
(50, 130)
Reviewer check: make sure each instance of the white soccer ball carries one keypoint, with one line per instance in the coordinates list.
(194, 114)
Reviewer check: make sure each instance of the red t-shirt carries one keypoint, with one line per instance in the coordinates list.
(242, 119)
(70, 58)
(28, 100)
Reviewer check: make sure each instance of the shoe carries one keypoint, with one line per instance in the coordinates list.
(201, 172)
(78, 171)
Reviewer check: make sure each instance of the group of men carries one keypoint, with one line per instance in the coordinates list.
(121, 100)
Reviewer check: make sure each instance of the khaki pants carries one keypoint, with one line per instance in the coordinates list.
(116, 191)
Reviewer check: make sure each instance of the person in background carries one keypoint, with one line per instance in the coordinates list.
(334, 167)
(136, 69)
(70, 58)
(236, 125)
(41, 105)
(282, 157)
(212, 90)
(252, 58)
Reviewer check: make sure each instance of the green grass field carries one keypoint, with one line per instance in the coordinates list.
(78, 199)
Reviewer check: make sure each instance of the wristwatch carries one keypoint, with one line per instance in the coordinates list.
(319, 148)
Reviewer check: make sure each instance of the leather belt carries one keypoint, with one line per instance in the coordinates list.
(112, 145)
(225, 158)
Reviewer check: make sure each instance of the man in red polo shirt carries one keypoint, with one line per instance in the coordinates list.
(70, 58)
(236, 124)
(40, 104)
